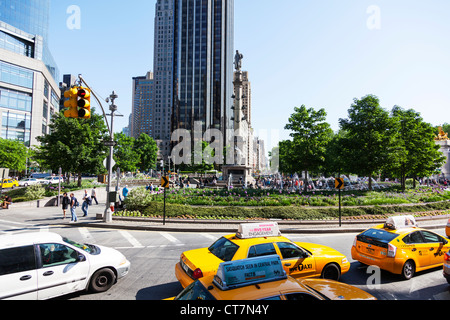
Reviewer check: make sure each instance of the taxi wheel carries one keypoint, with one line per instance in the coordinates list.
(331, 272)
(409, 268)
(102, 280)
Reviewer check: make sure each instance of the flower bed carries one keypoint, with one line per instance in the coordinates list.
(263, 204)
(273, 198)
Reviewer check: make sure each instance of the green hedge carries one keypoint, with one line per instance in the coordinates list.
(285, 213)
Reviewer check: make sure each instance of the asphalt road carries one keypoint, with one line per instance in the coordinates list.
(153, 256)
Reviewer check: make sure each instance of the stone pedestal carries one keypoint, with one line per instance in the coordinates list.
(239, 173)
(445, 149)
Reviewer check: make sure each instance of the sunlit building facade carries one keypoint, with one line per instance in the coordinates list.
(29, 93)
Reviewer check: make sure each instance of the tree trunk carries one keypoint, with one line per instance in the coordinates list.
(79, 180)
(305, 187)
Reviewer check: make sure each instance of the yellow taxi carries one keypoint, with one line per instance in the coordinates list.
(9, 183)
(400, 247)
(299, 259)
(264, 278)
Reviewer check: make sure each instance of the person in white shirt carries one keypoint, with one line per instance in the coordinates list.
(94, 195)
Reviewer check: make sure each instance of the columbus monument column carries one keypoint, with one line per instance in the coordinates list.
(443, 141)
(239, 170)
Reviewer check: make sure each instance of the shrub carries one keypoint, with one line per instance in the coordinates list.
(138, 199)
(34, 192)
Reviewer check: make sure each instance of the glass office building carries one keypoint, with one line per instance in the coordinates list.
(32, 17)
(203, 64)
(29, 93)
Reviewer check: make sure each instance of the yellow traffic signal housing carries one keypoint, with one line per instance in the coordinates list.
(71, 103)
(84, 103)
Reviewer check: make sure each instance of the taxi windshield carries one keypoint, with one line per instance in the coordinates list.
(224, 249)
(195, 291)
(85, 247)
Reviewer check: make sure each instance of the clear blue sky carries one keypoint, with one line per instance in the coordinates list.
(318, 53)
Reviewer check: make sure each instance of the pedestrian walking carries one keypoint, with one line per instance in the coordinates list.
(65, 203)
(125, 192)
(94, 195)
(73, 206)
(86, 203)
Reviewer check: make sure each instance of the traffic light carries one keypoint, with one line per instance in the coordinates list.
(84, 103)
(71, 103)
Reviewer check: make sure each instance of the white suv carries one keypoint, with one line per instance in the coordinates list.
(46, 265)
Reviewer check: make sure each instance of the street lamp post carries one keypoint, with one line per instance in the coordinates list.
(107, 217)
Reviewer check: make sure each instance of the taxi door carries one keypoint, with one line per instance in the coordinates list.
(296, 262)
(436, 245)
(62, 272)
(417, 249)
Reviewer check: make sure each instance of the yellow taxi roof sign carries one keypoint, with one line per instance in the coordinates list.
(256, 230)
(241, 273)
(400, 222)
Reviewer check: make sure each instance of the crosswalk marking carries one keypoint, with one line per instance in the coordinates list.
(209, 236)
(85, 233)
(134, 242)
(169, 237)
(88, 236)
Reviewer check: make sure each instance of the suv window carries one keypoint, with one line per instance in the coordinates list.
(259, 250)
(53, 254)
(16, 260)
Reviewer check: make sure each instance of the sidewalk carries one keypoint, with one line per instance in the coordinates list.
(29, 213)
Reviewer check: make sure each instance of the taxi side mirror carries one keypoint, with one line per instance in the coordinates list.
(81, 258)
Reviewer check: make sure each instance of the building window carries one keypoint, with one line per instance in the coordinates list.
(16, 75)
(16, 45)
(11, 99)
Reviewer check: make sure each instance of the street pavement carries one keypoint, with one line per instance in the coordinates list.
(30, 213)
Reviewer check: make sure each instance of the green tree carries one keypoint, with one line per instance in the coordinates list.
(125, 154)
(75, 146)
(415, 153)
(311, 134)
(334, 157)
(368, 140)
(147, 149)
(13, 155)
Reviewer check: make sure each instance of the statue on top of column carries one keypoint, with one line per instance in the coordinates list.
(442, 136)
(238, 60)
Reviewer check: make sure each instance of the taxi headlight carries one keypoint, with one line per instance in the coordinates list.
(123, 261)
(344, 261)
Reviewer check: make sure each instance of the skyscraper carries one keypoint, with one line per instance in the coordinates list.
(163, 75)
(203, 64)
(142, 119)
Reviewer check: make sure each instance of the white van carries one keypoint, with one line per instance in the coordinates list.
(46, 265)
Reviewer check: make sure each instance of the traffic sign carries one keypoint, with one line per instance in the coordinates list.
(165, 182)
(339, 183)
(112, 143)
